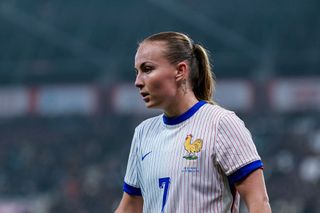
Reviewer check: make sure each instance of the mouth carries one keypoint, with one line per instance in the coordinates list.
(145, 96)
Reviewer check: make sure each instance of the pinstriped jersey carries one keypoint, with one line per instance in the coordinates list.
(190, 163)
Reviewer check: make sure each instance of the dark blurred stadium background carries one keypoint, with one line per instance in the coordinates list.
(68, 106)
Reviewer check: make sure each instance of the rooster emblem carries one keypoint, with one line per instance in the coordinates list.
(192, 148)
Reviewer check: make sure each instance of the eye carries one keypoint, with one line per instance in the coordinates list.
(147, 69)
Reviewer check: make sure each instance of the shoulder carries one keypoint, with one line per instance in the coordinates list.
(221, 117)
(216, 111)
(144, 128)
(149, 123)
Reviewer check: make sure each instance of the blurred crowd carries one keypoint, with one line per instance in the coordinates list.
(79, 162)
(290, 148)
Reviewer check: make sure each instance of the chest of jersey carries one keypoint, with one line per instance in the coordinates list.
(178, 164)
(183, 167)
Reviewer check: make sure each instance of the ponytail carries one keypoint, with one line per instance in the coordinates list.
(201, 76)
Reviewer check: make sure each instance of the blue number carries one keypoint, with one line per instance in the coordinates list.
(164, 182)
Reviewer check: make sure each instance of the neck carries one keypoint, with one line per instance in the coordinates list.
(180, 105)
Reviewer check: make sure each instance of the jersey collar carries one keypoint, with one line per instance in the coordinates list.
(184, 116)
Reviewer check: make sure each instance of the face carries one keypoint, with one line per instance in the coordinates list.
(155, 76)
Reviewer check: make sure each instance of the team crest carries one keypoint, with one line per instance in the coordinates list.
(192, 147)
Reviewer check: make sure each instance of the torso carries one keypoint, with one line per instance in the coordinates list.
(175, 180)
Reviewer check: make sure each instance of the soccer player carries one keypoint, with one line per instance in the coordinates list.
(196, 156)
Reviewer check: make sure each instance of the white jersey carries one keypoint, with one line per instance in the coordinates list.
(190, 163)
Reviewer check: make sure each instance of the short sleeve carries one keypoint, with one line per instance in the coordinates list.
(235, 150)
(131, 180)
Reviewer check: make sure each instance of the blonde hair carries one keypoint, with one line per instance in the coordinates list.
(179, 48)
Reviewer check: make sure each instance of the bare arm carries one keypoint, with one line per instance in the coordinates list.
(254, 193)
(130, 204)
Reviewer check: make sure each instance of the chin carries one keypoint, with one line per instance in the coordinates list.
(151, 105)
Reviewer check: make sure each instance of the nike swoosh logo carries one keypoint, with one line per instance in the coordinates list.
(143, 157)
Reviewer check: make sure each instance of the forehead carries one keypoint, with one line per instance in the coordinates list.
(150, 51)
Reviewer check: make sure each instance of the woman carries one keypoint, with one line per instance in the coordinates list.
(197, 156)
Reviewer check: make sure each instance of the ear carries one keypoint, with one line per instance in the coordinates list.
(182, 71)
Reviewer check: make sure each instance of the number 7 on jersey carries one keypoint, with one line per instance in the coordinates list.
(164, 183)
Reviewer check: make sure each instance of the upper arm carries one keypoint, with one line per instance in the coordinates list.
(131, 179)
(132, 201)
(130, 204)
(234, 145)
(238, 157)
(253, 191)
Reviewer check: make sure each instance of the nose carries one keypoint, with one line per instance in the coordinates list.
(138, 82)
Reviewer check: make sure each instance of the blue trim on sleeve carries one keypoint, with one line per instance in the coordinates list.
(184, 116)
(243, 172)
(131, 190)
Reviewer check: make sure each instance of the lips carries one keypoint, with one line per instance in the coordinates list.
(145, 96)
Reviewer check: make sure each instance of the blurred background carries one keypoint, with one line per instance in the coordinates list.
(68, 107)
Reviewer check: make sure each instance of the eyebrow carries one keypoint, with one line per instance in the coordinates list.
(142, 65)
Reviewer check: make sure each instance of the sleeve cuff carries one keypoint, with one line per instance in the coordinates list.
(131, 190)
(243, 172)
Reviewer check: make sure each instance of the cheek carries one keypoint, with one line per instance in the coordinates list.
(163, 88)
(158, 85)
(162, 83)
